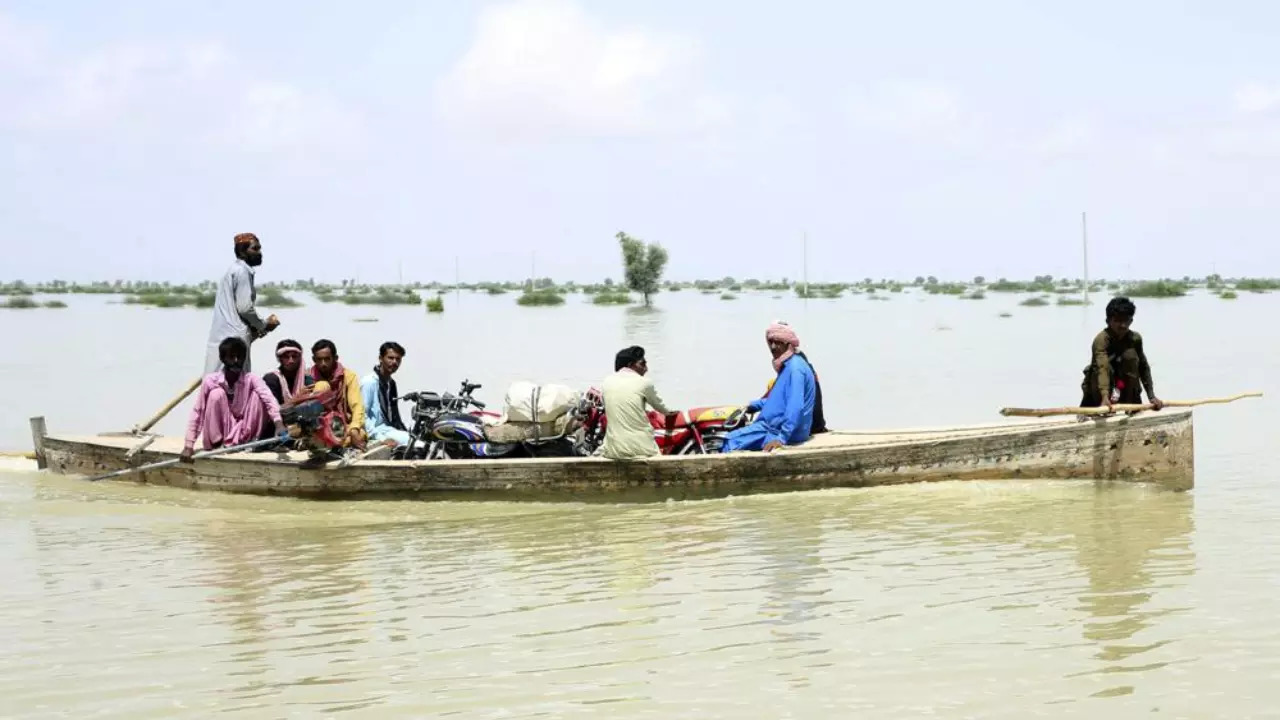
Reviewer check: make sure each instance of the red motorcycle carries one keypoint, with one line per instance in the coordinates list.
(694, 431)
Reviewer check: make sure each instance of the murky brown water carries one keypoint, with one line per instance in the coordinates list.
(1007, 600)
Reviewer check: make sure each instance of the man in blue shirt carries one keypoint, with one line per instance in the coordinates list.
(786, 412)
(378, 389)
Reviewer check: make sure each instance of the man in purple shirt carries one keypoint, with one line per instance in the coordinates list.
(230, 404)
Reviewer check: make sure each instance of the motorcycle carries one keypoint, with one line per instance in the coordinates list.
(453, 427)
(698, 430)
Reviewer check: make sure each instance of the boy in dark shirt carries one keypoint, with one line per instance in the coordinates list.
(1118, 370)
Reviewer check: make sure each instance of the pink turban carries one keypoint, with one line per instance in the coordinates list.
(782, 332)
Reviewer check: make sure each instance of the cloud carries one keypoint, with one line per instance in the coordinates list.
(546, 68)
(1256, 98)
(1068, 136)
(192, 93)
(916, 110)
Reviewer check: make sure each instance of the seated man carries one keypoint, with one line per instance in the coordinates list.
(329, 374)
(289, 379)
(231, 404)
(629, 434)
(379, 392)
(1118, 369)
(786, 413)
(819, 425)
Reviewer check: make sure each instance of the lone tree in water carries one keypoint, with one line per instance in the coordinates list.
(642, 264)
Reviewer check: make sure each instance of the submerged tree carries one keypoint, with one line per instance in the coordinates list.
(643, 264)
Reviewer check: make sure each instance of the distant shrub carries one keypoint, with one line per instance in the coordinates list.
(612, 298)
(1257, 285)
(1156, 289)
(540, 298)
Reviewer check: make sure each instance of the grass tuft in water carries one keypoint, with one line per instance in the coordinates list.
(1156, 289)
(612, 298)
(540, 298)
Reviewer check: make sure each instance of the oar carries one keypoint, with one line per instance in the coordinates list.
(169, 406)
(175, 461)
(349, 460)
(1134, 407)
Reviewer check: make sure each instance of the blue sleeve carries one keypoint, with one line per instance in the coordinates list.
(755, 405)
(793, 382)
(372, 408)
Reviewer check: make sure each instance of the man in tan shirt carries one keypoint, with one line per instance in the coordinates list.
(629, 434)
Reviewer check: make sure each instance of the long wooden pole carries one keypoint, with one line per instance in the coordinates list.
(169, 406)
(1104, 410)
(174, 461)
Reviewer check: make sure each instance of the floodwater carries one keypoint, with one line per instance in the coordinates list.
(994, 600)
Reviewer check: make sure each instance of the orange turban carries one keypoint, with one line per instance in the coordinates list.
(245, 239)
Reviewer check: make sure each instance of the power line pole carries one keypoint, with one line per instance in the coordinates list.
(1084, 230)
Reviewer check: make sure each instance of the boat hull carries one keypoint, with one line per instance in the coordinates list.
(1153, 447)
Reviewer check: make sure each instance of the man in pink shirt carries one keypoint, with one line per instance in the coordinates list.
(230, 404)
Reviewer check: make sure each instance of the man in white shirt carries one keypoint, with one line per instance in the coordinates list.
(234, 311)
(629, 434)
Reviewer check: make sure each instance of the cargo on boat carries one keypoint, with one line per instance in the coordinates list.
(1150, 447)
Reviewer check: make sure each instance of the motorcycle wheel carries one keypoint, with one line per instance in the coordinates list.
(713, 443)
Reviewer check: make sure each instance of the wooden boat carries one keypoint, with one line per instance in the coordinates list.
(1151, 447)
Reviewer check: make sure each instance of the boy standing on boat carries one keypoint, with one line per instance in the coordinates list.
(1118, 370)
(231, 404)
(786, 413)
(234, 313)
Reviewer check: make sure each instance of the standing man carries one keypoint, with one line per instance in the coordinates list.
(629, 434)
(378, 390)
(234, 313)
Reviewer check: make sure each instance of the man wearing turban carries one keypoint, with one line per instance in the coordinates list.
(234, 313)
(786, 412)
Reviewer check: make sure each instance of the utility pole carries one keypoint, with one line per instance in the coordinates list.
(805, 277)
(1084, 230)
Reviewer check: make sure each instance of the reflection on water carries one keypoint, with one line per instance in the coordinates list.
(940, 596)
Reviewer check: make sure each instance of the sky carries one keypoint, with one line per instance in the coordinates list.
(417, 140)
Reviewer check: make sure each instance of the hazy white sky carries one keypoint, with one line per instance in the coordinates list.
(907, 137)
